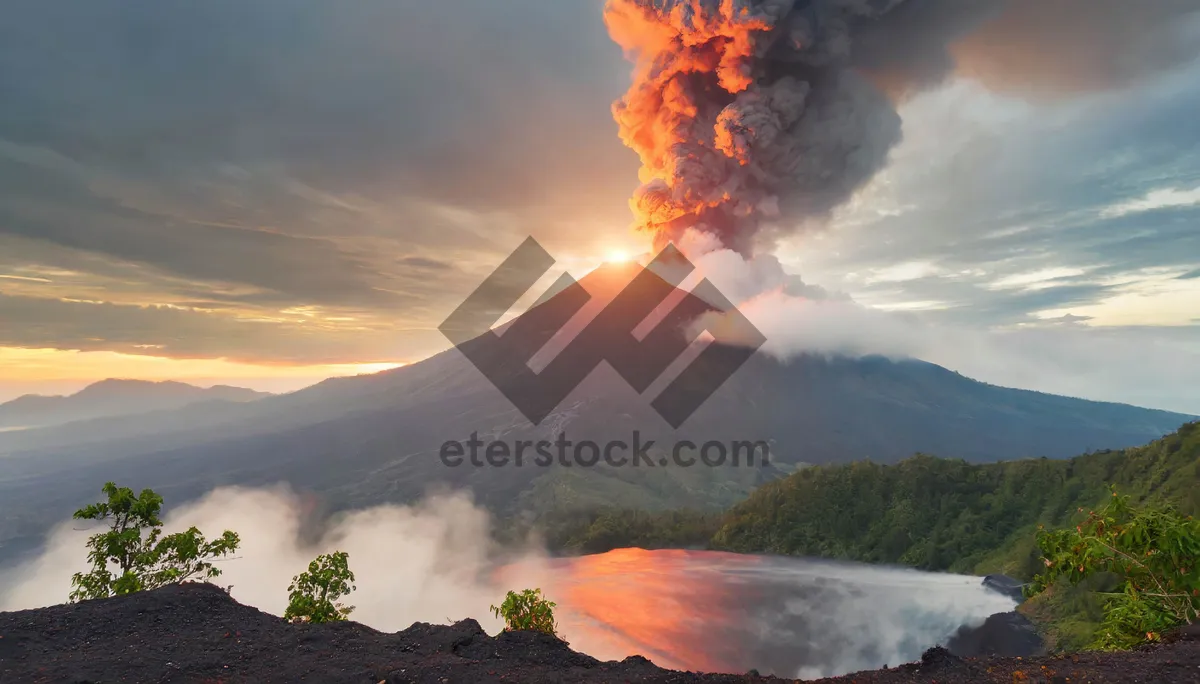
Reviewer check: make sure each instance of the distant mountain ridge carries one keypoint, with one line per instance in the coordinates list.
(111, 398)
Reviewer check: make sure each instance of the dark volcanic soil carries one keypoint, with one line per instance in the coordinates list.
(196, 633)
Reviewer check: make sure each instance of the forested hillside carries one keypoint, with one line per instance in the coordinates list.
(941, 514)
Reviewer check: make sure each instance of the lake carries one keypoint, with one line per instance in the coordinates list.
(718, 612)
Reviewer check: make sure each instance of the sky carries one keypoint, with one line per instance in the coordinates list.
(269, 192)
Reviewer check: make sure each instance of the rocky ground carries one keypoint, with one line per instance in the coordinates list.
(197, 633)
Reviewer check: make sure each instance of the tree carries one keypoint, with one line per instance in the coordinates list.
(143, 557)
(314, 594)
(527, 611)
(1154, 552)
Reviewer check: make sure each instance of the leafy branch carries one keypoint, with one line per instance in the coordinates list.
(1153, 552)
(135, 555)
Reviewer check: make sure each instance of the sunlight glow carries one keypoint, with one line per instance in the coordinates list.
(55, 371)
(618, 256)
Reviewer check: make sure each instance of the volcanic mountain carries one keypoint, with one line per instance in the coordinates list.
(356, 442)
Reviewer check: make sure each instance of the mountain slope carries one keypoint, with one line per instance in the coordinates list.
(111, 398)
(369, 440)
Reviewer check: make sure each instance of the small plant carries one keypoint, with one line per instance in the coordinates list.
(143, 557)
(1154, 553)
(314, 594)
(527, 611)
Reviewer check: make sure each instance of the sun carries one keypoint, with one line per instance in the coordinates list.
(618, 256)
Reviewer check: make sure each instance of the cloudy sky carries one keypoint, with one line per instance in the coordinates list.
(269, 192)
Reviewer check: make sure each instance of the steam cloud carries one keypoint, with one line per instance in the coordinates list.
(422, 563)
(754, 116)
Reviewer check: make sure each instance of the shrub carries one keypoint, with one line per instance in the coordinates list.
(527, 611)
(1154, 552)
(143, 557)
(314, 593)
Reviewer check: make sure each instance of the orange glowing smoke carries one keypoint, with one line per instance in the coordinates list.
(742, 109)
(684, 143)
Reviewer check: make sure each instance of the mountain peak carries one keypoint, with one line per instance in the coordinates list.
(125, 386)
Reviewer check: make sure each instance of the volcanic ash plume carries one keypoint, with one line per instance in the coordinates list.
(749, 111)
(742, 110)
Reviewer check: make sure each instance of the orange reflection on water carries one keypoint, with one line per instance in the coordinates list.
(719, 612)
(666, 605)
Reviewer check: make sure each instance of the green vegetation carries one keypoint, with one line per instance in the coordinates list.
(314, 594)
(1152, 551)
(949, 515)
(1069, 616)
(143, 557)
(527, 611)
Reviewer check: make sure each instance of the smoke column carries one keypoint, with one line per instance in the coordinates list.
(737, 103)
(755, 116)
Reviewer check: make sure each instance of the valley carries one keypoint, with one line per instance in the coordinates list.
(370, 440)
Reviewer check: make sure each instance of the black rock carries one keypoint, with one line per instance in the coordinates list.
(1013, 588)
(938, 657)
(1010, 635)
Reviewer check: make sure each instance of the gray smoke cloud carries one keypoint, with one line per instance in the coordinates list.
(1055, 48)
(754, 116)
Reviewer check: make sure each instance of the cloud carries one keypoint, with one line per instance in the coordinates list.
(1152, 366)
(303, 268)
(273, 155)
(292, 337)
(434, 100)
(987, 193)
(1064, 47)
(1134, 365)
(1154, 200)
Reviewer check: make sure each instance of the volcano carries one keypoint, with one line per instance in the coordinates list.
(368, 440)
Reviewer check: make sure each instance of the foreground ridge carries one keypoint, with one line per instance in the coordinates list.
(196, 632)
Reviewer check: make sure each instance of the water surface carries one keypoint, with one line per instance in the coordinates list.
(718, 612)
